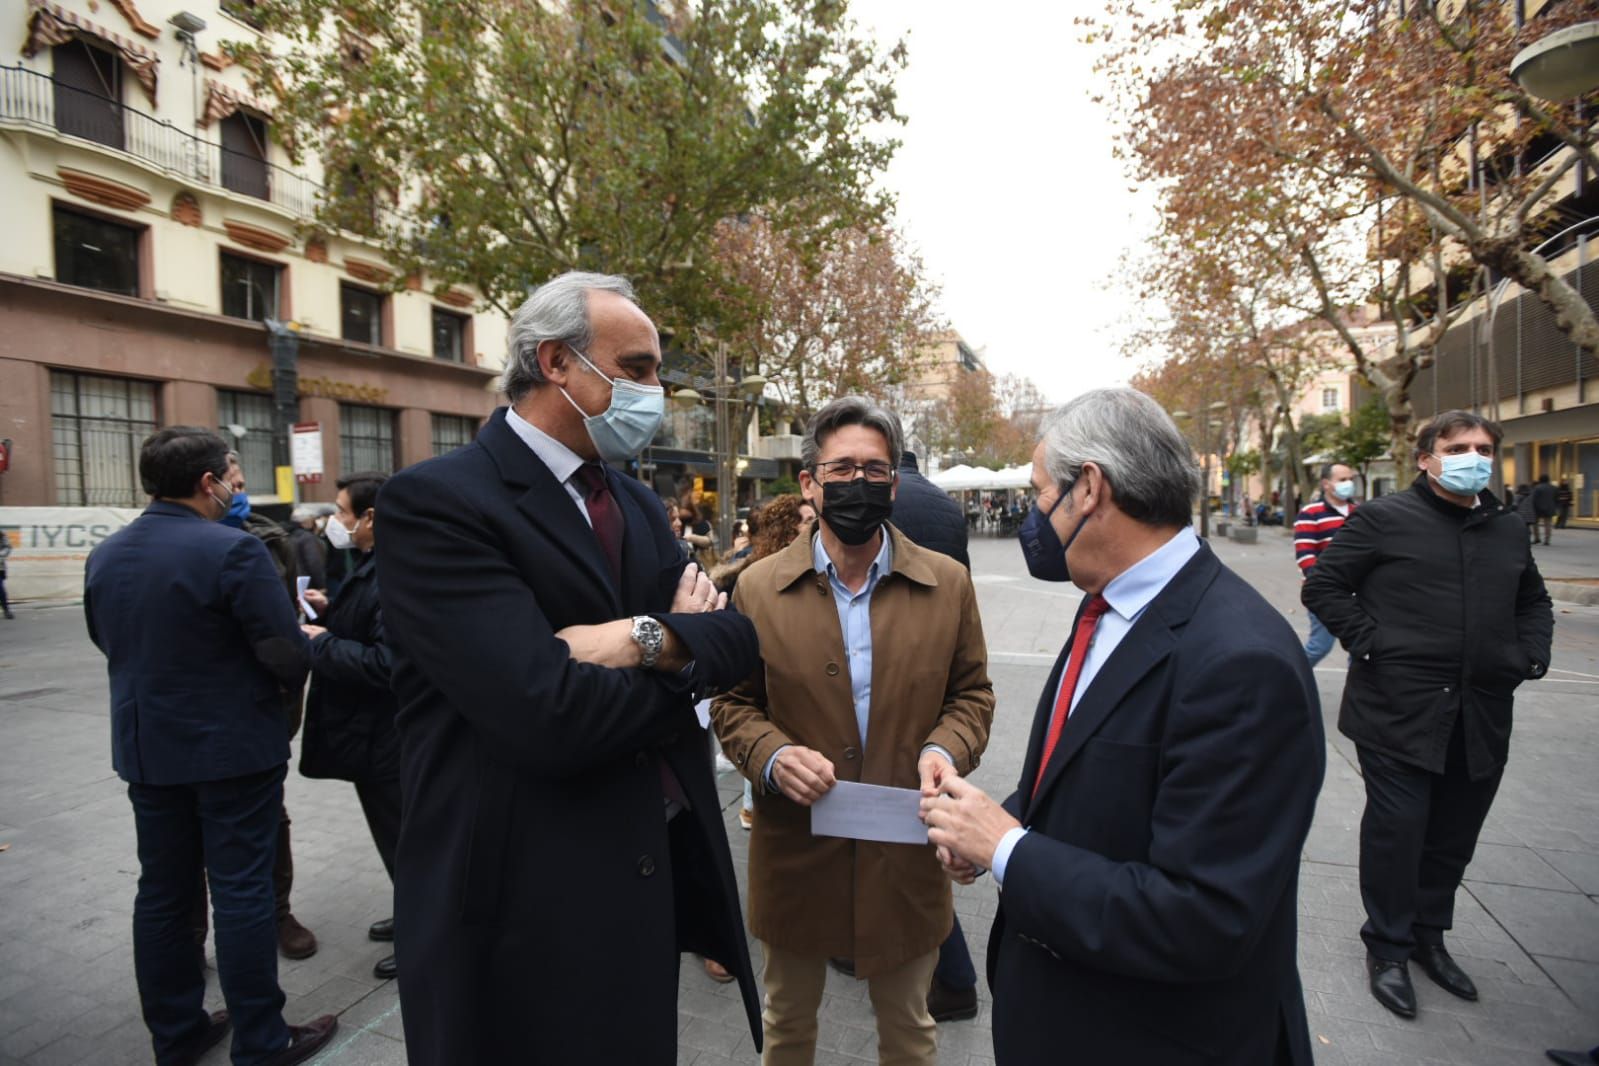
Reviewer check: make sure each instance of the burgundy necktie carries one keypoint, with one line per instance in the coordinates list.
(605, 516)
(1086, 624)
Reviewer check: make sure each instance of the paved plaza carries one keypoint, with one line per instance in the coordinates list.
(1527, 926)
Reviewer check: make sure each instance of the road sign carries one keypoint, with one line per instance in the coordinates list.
(306, 451)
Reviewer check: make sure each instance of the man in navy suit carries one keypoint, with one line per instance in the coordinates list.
(562, 839)
(1149, 859)
(201, 643)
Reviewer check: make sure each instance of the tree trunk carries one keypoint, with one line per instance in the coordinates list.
(1572, 314)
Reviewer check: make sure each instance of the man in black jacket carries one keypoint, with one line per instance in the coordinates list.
(1435, 595)
(349, 714)
(926, 514)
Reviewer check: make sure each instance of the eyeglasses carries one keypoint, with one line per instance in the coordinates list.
(848, 470)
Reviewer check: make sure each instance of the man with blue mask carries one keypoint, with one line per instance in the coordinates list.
(1314, 528)
(1149, 856)
(549, 642)
(1435, 595)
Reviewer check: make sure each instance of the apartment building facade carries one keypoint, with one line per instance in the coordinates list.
(159, 244)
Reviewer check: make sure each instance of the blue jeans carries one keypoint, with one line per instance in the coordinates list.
(1321, 641)
(955, 969)
(229, 828)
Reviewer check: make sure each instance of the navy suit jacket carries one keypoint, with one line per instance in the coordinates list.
(200, 641)
(1149, 914)
(539, 888)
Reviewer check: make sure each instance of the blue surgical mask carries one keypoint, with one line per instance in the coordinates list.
(1465, 474)
(1344, 490)
(627, 426)
(238, 510)
(1041, 546)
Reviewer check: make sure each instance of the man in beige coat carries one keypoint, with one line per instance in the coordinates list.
(875, 670)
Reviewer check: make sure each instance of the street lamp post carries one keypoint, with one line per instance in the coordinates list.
(724, 394)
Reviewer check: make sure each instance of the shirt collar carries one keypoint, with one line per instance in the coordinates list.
(1132, 589)
(562, 461)
(823, 564)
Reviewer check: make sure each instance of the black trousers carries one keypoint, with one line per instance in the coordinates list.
(380, 802)
(1416, 839)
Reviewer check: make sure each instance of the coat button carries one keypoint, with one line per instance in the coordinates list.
(832, 669)
(850, 753)
(646, 866)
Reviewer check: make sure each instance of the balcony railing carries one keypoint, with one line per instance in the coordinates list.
(30, 98)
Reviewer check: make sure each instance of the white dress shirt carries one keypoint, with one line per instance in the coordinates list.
(562, 461)
(1128, 594)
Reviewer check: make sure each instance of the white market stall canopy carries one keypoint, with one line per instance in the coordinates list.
(967, 478)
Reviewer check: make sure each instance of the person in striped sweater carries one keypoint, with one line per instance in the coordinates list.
(1314, 528)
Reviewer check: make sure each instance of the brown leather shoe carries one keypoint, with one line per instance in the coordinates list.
(305, 1040)
(197, 1046)
(295, 941)
(717, 972)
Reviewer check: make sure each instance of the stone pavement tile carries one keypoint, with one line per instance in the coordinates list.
(358, 1048)
(1563, 924)
(1506, 865)
(1363, 1008)
(715, 1039)
(1531, 1031)
(1581, 868)
(68, 1051)
(1578, 980)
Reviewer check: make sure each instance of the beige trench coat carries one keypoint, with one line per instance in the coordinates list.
(880, 904)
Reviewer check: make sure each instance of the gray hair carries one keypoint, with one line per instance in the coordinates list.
(557, 310)
(1152, 472)
(851, 411)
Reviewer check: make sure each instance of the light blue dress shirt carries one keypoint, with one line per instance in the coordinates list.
(855, 622)
(1128, 594)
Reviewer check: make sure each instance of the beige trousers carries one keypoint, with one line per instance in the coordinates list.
(906, 1033)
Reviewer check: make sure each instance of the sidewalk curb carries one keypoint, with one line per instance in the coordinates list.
(1571, 592)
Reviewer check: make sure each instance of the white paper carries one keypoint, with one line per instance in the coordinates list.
(702, 711)
(869, 812)
(302, 583)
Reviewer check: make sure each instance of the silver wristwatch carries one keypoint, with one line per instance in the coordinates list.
(649, 635)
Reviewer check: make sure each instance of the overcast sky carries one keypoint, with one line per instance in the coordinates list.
(1007, 185)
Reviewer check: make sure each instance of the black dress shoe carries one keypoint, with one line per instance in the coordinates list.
(1575, 1058)
(1390, 986)
(386, 969)
(1434, 958)
(843, 966)
(305, 1040)
(381, 931)
(194, 1050)
(948, 1004)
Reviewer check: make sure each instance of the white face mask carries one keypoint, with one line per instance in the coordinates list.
(338, 536)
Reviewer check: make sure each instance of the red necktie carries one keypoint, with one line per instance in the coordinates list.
(605, 517)
(1086, 624)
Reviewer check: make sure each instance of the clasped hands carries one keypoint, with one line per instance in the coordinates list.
(611, 643)
(963, 824)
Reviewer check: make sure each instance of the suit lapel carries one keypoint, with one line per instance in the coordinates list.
(1041, 716)
(546, 504)
(1146, 646)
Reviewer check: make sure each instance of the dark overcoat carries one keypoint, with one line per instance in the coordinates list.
(1444, 614)
(1148, 916)
(541, 896)
(350, 731)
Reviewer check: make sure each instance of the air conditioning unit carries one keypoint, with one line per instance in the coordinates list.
(779, 446)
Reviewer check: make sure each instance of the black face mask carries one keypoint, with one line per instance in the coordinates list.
(854, 510)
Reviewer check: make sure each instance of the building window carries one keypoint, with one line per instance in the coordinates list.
(244, 154)
(449, 335)
(96, 253)
(250, 288)
(96, 427)
(366, 439)
(88, 92)
(452, 431)
(251, 412)
(1329, 399)
(360, 315)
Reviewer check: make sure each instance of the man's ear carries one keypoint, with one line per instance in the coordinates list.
(554, 361)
